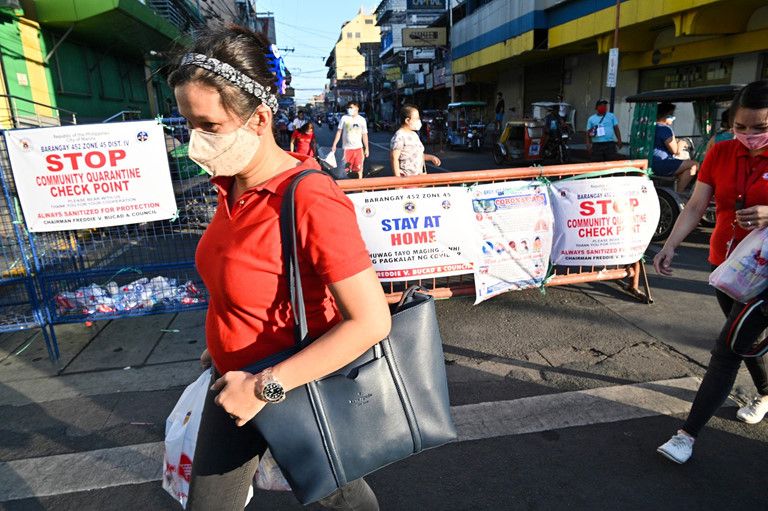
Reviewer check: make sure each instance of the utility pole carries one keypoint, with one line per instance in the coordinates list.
(450, 32)
(614, 57)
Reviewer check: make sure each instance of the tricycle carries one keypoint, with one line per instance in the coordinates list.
(708, 102)
(466, 128)
(520, 141)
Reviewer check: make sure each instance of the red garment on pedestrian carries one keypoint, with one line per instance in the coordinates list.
(720, 170)
(240, 260)
(353, 159)
(303, 143)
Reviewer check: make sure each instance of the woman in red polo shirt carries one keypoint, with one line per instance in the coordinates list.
(224, 88)
(736, 173)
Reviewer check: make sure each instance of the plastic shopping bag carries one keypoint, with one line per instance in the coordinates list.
(269, 476)
(744, 275)
(181, 437)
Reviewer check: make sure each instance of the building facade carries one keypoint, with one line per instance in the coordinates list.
(350, 59)
(408, 51)
(539, 50)
(88, 61)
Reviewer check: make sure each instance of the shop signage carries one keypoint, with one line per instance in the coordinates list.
(424, 37)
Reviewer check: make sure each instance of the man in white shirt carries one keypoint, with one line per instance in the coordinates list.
(300, 120)
(353, 132)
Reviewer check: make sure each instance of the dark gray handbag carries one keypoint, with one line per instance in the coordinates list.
(386, 405)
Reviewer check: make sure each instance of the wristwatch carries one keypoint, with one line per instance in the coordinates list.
(272, 390)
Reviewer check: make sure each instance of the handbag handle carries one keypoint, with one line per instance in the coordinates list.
(289, 239)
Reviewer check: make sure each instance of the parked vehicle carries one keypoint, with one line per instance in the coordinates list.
(558, 126)
(433, 126)
(519, 141)
(466, 128)
(708, 103)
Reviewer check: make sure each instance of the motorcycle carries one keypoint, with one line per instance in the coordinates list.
(556, 146)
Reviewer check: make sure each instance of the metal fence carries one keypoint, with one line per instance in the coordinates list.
(92, 274)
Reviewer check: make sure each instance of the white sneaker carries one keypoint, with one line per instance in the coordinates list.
(678, 448)
(754, 411)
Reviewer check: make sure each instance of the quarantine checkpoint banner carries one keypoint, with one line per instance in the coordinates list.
(417, 233)
(603, 221)
(93, 175)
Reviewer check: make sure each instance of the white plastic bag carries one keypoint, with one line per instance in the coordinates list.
(269, 476)
(181, 437)
(744, 275)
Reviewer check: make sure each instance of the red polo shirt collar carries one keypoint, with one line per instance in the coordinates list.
(271, 185)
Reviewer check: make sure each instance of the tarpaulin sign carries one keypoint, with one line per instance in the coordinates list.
(515, 221)
(97, 175)
(417, 234)
(603, 221)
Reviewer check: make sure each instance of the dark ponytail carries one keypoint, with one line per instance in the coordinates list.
(239, 47)
(753, 96)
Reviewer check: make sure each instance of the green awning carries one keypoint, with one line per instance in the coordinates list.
(121, 26)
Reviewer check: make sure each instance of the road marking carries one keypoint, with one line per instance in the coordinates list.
(142, 463)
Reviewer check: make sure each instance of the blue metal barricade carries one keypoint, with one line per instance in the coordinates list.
(109, 272)
(20, 306)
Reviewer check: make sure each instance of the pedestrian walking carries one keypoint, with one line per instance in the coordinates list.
(304, 141)
(406, 150)
(603, 135)
(300, 120)
(500, 106)
(734, 172)
(225, 90)
(670, 156)
(353, 132)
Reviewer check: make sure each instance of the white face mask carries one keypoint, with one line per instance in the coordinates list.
(416, 124)
(352, 111)
(223, 154)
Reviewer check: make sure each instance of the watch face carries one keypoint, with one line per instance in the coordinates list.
(273, 392)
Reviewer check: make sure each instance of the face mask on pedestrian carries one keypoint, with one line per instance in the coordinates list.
(752, 141)
(415, 124)
(352, 111)
(602, 110)
(671, 118)
(224, 154)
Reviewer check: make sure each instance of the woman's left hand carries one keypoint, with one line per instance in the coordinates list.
(237, 395)
(755, 217)
(435, 160)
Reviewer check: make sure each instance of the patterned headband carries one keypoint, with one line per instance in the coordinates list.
(231, 74)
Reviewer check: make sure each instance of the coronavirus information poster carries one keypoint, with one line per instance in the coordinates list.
(417, 234)
(93, 175)
(515, 221)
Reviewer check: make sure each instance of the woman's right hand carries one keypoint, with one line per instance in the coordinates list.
(662, 263)
(205, 359)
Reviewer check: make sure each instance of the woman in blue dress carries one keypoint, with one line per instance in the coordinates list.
(668, 151)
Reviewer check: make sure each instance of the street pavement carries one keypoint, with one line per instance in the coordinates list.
(560, 400)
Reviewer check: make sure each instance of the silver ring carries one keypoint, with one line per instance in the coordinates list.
(233, 417)
(749, 223)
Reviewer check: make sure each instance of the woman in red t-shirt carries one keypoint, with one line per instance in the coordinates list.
(225, 90)
(735, 172)
(303, 140)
